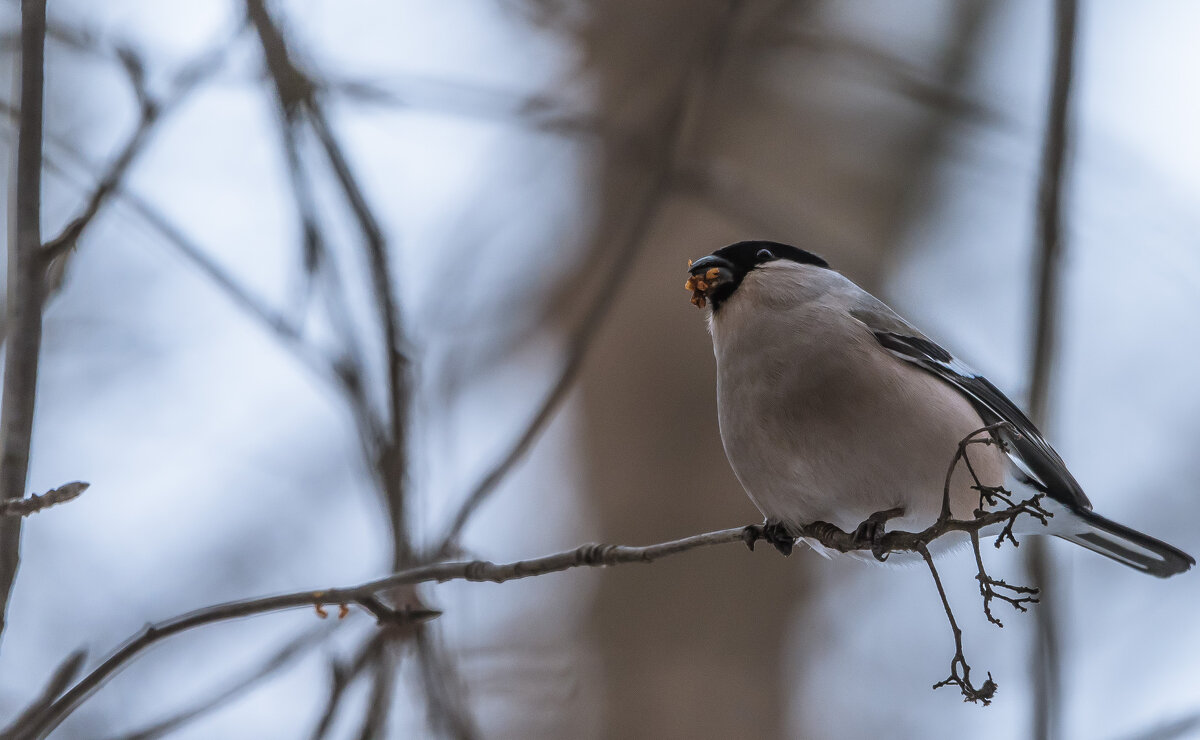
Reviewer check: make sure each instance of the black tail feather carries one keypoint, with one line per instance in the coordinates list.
(1124, 545)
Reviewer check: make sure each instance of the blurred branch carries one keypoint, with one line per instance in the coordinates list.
(319, 264)
(894, 71)
(1174, 729)
(379, 702)
(386, 442)
(870, 538)
(448, 714)
(26, 274)
(342, 675)
(274, 322)
(666, 157)
(591, 555)
(1049, 215)
(151, 111)
(1046, 653)
(35, 503)
(296, 94)
(59, 681)
(576, 352)
(393, 462)
(277, 661)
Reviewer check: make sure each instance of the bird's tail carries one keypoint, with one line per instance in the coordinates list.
(1122, 544)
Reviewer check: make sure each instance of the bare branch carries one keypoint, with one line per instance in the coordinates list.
(35, 503)
(26, 274)
(883, 544)
(960, 671)
(1016, 596)
(589, 555)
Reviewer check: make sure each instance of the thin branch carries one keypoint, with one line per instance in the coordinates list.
(1046, 653)
(960, 671)
(589, 555)
(26, 274)
(35, 503)
(992, 588)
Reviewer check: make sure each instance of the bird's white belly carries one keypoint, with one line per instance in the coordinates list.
(836, 437)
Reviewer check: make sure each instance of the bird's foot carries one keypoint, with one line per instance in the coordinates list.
(870, 533)
(775, 532)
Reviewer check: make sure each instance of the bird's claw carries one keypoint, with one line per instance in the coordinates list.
(870, 533)
(775, 532)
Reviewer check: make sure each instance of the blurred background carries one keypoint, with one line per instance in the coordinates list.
(532, 175)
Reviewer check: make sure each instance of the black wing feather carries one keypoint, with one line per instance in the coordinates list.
(1028, 448)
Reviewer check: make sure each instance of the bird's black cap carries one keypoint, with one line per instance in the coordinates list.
(733, 262)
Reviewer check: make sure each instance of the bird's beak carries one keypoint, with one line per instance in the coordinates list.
(705, 274)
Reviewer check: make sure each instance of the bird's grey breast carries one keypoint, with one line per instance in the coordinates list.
(819, 421)
(775, 397)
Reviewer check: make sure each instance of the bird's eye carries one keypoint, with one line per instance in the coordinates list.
(764, 255)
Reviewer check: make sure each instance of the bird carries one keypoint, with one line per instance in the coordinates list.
(832, 408)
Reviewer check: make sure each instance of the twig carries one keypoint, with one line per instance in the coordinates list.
(1016, 596)
(35, 503)
(918, 542)
(992, 588)
(960, 671)
(26, 273)
(590, 555)
(1046, 658)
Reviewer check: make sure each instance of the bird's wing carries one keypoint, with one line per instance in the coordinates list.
(1028, 449)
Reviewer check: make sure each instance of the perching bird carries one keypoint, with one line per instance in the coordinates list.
(832, 408)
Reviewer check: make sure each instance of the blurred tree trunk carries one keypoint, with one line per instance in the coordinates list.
(804, 148)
